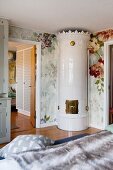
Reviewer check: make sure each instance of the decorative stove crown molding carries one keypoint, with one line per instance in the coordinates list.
(74, 35)
(74, 32)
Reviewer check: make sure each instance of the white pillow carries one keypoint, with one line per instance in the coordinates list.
(25, 143)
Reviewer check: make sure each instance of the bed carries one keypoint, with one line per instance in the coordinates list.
(93, 152)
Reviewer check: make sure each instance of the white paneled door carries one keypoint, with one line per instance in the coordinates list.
(19, 80)
(33, 89)
(25, 70)
(27, 79)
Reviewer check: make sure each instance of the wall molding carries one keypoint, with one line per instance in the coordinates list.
(96, 126)
(48, 124)
(24, 112)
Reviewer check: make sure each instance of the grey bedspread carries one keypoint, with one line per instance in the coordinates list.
(93, 152)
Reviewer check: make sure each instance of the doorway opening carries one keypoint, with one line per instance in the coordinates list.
(22, 85)
(111, 85)
(108, 83)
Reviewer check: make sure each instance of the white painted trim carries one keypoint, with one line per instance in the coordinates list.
(24, 49)
(23, 79)
(48, 124)
(38, 75)
(106, 82)
(38, 85)
(4, 91)
(88, 89)
(106, 86)
(96, 126)
(57, 85)
(24, 112)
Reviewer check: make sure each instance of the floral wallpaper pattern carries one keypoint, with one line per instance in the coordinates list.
(49, 85)
(49, 56)
(45, 39)
(49, 59)
(96, 71)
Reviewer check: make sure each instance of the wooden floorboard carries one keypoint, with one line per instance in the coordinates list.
(25, 127)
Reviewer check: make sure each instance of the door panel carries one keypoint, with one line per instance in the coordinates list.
(33, 89)
(19, 80)
(27, 78)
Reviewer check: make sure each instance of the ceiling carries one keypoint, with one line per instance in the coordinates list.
(56, 15)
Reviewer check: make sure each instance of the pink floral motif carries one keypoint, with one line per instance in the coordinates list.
(105, 35)
(97, 40)
(96, 70)
(94, 45)
(45, 39)
(95, 48)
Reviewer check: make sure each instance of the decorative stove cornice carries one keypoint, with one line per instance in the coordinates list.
(76, 32)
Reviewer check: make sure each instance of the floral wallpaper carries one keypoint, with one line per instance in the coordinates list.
(49, 85)
(49, 52)
(49, 59)
(96, 71)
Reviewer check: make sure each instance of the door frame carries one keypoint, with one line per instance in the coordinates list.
(106, 81)
(38, 75)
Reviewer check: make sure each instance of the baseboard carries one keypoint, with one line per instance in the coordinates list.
(95, 126)
(24, 112)
(48, 124)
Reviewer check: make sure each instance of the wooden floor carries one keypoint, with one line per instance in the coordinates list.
(20, 122)
(52, 132)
